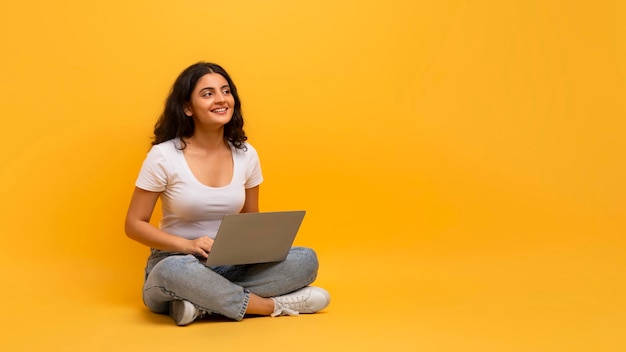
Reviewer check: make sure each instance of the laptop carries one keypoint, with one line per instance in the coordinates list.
(251, 238)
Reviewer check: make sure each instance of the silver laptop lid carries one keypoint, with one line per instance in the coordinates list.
(249, 238)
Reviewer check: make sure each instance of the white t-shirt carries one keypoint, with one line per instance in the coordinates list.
(190, 208)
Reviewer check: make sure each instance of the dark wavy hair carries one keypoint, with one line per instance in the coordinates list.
(173, 123)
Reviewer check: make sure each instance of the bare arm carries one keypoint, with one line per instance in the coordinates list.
(138, 227)
(252, 201)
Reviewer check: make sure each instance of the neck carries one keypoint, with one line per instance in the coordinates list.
(208, 139)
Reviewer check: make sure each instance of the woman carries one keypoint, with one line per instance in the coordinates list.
(202, 168)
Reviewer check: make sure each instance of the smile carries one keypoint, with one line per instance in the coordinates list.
(220, 110)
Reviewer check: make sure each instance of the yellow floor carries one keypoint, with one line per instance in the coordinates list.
(419, 297)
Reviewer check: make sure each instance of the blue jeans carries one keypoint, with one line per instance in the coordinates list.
(223, 290)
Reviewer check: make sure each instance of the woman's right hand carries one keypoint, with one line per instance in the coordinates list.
(199, 247)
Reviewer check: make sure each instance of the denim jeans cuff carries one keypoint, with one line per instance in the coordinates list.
(246, 300)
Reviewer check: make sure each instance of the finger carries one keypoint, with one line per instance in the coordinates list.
(208, 244)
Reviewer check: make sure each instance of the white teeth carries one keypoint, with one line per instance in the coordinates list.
(220, 110)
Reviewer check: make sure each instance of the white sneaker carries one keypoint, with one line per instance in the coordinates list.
(307, 300)
(184, 312)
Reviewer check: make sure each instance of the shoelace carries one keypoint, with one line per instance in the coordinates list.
(200, 313)
(284, 311)
(289, 306)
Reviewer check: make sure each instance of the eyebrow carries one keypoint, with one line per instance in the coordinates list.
(211, 88)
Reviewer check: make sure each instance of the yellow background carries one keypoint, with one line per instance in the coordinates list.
(462, 164)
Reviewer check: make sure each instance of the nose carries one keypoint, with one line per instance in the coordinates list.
(219, 98)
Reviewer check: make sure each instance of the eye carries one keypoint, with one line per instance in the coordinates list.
(207, 94)
(226, 91)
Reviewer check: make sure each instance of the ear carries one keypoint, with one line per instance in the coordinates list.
(187, 110)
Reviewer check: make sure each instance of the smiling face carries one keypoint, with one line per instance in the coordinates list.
(211, 103)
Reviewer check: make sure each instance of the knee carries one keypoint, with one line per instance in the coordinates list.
(167, 272)
(162, 283)
(306, 259)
